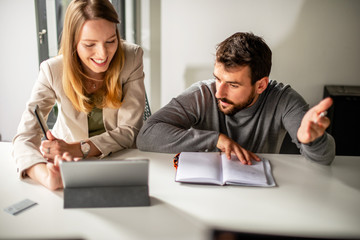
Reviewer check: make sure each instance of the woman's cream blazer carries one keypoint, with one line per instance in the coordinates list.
(122, 125)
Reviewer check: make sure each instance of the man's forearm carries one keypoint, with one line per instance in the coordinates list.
(164, 137)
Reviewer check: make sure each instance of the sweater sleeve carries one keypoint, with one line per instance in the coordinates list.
(322, 150)
(171, 128)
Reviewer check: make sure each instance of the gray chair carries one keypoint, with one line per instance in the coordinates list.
(288, 147)
(147, 112)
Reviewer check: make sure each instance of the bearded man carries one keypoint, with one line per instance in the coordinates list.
(241, 111)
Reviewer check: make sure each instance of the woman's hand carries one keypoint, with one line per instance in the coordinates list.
(65, 157)
(54, 146)
(48, 174)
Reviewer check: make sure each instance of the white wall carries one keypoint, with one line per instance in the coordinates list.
(18, 61)
(150, 40)
(314, 42)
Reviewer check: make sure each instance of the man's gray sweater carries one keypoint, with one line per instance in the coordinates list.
(192, 122)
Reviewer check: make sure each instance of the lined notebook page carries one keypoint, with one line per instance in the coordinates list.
(199, 167)
(237, 173)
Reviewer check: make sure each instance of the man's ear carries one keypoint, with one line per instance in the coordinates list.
(261, 85)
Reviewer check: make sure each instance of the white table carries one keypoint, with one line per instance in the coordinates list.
(310, 200)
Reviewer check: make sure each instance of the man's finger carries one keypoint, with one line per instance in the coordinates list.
(255, 157)
(323, 105)
(318, 130)
(228, 153)
(247, 157)
(314, 132)
(239, 154)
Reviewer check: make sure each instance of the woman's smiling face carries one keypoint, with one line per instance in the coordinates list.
(96, 47)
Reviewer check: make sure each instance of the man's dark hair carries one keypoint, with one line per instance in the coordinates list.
(246, 49)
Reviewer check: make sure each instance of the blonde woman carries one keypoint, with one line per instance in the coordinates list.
(97, 82)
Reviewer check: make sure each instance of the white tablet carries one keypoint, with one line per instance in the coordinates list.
(104, 173)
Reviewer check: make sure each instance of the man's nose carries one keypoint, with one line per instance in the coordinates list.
(221, 90)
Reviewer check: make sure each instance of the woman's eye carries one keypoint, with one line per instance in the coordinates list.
(112, 41)
(89, 45)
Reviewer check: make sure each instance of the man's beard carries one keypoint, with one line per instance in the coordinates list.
(231, 110)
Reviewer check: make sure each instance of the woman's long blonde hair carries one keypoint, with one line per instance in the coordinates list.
(77, 13)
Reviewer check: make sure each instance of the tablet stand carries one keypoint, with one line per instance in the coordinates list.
(100, 197)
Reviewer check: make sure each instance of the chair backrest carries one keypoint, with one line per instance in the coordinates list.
(147, 112)
(288, 147)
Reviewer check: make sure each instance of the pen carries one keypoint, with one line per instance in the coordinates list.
(321, 115)
(41, 121)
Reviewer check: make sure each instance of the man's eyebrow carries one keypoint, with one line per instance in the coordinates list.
(230, 82)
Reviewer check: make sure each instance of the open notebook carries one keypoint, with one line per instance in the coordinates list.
(216, 168)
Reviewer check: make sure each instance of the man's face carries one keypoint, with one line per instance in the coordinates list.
(234, 91)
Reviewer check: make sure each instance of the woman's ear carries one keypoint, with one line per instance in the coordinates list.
(261, 85)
